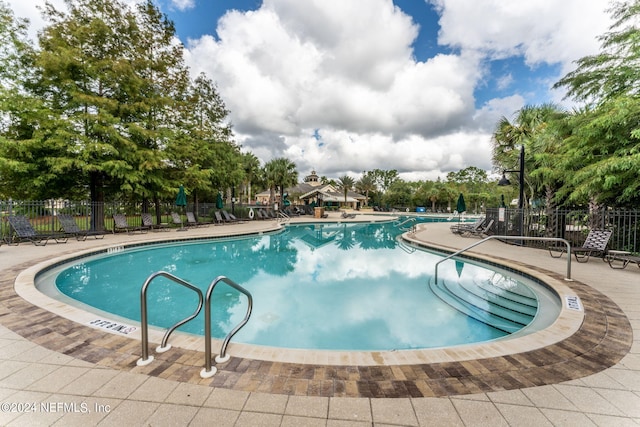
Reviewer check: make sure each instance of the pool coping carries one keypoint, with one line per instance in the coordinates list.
(588, 344)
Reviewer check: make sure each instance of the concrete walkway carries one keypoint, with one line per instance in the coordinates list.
(41, 386)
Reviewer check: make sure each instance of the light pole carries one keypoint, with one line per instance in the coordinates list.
(504, 181)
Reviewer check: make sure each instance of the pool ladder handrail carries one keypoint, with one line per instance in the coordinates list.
(208, 371)
(544, 239)
(405, 221)
(282, 217)
(144, 320)
(405, 246)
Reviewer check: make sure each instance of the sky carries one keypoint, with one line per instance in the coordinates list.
(346, 86)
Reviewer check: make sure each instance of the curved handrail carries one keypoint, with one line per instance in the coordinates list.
(405, 221)
(146, 359)
(208, 371)
(283, 217)
(404, 246)
(551, 239)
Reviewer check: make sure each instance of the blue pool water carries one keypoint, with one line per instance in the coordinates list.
(314, 286)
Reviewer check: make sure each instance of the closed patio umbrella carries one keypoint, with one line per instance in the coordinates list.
(181, 201)
(219, 203)
(181, 198)
(461, 206)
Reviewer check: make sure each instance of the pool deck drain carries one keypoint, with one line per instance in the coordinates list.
(602, 340)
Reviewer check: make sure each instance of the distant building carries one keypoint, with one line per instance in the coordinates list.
(313, 192)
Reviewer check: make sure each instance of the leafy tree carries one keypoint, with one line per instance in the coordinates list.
(384, 178)
(203, 151)
(20, 158)
(399, 194)
(602, 156)
(615, 70)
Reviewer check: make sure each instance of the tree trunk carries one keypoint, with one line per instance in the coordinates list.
(97, 200)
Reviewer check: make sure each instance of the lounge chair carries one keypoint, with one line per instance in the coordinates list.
(267, 214)
(483, 230)
(70, 228)
(147, 221)
(229, 218)
(621, 260)
(24, 231)
(192, 221)
(218, 216)
(120, 223)
(176, 218)
(595, 244)
(463, 228)
(346, 215)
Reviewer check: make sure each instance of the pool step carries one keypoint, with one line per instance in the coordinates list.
(504, 301)
(504, 316)
(496, 306)
(509, 289)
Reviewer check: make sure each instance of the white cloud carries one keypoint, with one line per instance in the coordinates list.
(292, 67)
(183, 4)
(347, 69)
(543, 31)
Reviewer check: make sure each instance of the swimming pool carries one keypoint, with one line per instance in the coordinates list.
(315, 286)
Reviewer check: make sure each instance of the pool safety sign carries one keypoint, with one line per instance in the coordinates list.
(113, 326)
(573, 302)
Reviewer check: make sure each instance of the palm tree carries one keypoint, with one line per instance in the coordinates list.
(280, 172)
(345, 183)
(531, 122)
(251, 166)
(365, 185)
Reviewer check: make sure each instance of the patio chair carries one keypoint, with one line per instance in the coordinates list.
(265, 214)
(70, 228)
(620, 261)
(192, 221)
(24, 231)
(462, 228)
(595, 244)
(483, 230)
(229, 218)
(120, 223)
(218, 217)
(177, 220)
(147, 221)
(346, 215)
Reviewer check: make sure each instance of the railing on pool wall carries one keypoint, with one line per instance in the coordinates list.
(548, 239)
(146, 359)
(208, 371)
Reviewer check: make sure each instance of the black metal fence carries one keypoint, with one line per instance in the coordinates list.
(572, 225)
(42, 214)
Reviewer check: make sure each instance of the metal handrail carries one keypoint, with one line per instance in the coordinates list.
(552, 239)
(405, 247)
(208, 370)
(405, 221)
(283, 217)
(146, 359)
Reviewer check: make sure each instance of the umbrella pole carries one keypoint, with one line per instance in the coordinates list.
(182, 227)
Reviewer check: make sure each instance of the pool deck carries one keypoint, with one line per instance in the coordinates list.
(57, 371)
